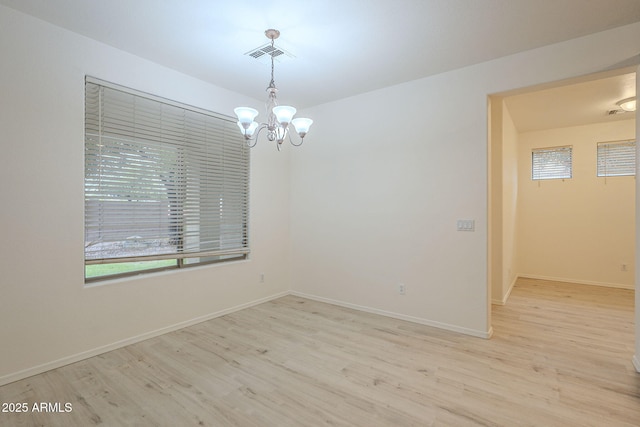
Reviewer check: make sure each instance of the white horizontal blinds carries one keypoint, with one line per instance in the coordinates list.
(161, 180)
(616, 158)
(551, 163)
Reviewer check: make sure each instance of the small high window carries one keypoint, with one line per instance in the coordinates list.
(617, 158)
(551, 163)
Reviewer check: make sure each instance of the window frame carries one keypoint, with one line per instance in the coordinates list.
(234, 189)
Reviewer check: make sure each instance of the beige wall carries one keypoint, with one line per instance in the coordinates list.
(636, 357)
(503, 189)
(495, 225)
(510, 180)
(580, 229)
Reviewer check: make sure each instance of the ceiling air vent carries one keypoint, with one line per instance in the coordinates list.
(265, 52)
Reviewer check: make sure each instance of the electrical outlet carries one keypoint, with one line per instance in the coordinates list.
(261, 277)
(402, 288)
(623, 267)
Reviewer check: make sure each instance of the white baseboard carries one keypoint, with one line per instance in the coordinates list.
(419, 320)
(577, 281)
(504, 299)
(16, 376)
(636, 363)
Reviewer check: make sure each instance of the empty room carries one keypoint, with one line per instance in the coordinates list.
(303, 213)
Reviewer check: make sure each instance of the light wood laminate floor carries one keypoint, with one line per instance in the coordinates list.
(560, 356)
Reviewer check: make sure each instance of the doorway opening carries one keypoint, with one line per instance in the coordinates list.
(579, 229)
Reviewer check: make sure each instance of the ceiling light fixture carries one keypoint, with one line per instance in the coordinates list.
(628, 104)
(278, 116)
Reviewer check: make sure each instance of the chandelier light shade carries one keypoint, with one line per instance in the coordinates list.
(245, 115)
(284, 114)
(302, 125)
(279, 117)
(249, 130)
(628, 104)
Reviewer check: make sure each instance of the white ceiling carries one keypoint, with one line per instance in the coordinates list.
(341, 47)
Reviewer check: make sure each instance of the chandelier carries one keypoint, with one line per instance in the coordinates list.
(278, 116)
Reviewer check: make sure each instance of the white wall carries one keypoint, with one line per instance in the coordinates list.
(378, 189)
(376, 204)
(580, 229)
(47, 316)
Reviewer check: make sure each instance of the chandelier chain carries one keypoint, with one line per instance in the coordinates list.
(273, 83)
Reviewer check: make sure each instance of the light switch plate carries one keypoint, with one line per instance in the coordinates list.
(466, 225)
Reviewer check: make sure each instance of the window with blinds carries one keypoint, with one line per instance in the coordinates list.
(617, 158)
(551, 163)
(166, 185)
